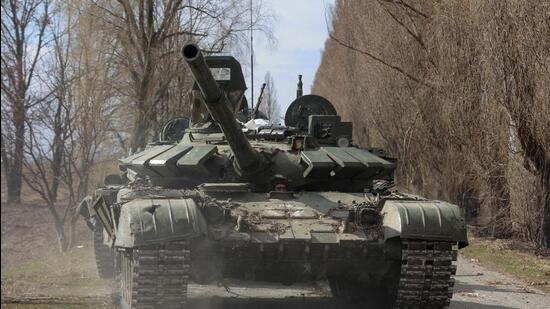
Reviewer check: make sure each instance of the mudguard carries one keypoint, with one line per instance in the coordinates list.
(429, 220)
(85, 210)
(150, 221)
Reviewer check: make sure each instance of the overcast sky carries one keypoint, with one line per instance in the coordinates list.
(300, 31)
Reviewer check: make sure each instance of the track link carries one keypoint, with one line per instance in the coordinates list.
(155, 276)
(104, 255)
(426, 274)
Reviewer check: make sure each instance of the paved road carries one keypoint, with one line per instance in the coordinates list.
(479, 288)
(476, 288)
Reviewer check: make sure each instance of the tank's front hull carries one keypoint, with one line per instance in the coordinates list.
(293, 261)
(357, 242)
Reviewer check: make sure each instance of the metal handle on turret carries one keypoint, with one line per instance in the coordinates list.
(248, 161)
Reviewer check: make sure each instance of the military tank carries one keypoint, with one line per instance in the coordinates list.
(280, 203)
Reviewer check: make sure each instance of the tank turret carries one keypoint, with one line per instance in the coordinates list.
(247, 160)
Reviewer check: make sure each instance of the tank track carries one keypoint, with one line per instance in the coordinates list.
(155, 276)
(104, 255)
(426, 274)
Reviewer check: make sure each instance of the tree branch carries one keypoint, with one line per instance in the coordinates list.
(382, 61)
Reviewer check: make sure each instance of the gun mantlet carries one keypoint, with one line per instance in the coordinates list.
(248, 162)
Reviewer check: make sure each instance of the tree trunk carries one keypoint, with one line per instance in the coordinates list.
(546, 217)
(145, 111)
(14, 187)
(15, 165)
(501, 205)
(546, 224)
(59, 226)
(62, 239)
(141, 128)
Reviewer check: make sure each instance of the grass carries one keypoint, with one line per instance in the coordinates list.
(56, 275)
(26, 269)
(525, 266)
(55, 265)
(46, 306)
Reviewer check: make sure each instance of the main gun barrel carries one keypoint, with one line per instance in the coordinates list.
(248, 160)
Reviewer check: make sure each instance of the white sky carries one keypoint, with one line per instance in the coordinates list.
(300, 30)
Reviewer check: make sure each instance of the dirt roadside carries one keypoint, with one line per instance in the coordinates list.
(35, 275)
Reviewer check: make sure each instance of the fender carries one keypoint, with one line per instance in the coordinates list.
(150, 221)
(85, 209)
(430, 220)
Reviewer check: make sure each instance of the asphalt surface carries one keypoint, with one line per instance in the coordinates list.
(479, 288)
(476, 288)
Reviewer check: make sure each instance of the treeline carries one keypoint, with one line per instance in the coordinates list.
(459, 92)
(85, 80)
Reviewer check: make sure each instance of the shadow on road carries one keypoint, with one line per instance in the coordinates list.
(269, 304)
(236, 303)
(458, 304)
(468, 288)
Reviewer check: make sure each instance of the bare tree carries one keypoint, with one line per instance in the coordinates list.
(23, 39)
(93, 97)
(454, 90)
(150, 34)
(270, 106)
(67, 129)
(49, 127)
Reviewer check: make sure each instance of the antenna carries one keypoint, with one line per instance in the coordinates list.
(255, 110)
(299, 90)
(251, 60)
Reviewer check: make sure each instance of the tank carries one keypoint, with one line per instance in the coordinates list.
(279, 203)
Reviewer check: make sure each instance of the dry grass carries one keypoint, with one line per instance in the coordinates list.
(32, 265)
(510, 258)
